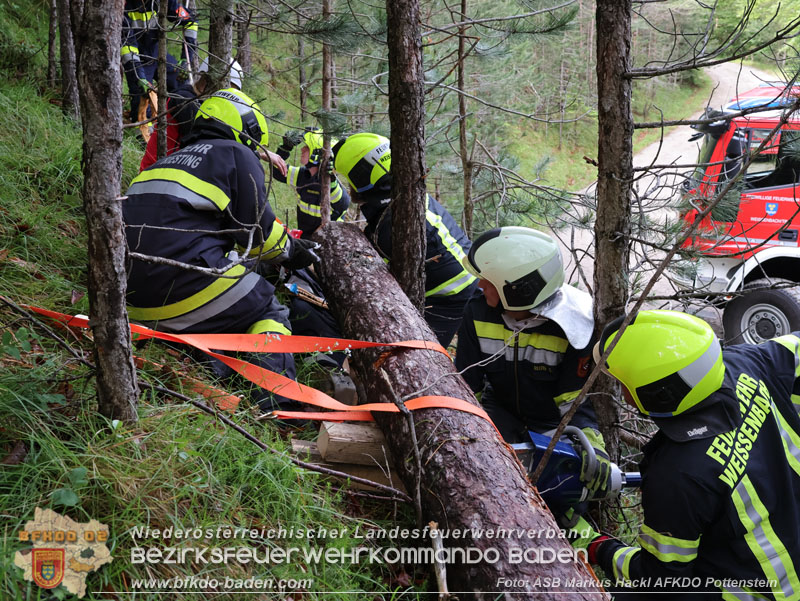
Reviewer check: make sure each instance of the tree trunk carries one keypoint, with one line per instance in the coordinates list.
(614, 180)
(407, 119)
(101, 106)
(470, 478)
(52, 68)
(244, 55)
(327, 77)
(220, 41)
(70, 101)
(161, 118)
(76, 15)
(466, 163)
(190, 6)
(301, 73)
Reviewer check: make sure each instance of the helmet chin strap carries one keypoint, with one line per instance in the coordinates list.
(530, 321)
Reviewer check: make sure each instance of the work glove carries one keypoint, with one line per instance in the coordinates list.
(301, 254)
(597, 481)
(182, 69)
(331, 175)
(291, 139)
(145, 85)
(583, 536)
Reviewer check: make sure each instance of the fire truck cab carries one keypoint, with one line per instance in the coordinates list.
(748, 246)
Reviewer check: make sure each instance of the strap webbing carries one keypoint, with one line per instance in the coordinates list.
(279, 384)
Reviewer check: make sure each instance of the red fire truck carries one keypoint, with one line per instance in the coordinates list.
(748, 246)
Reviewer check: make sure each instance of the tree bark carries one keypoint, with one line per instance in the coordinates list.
(161, 117)
(327, 77)
(470, 478)
(244, 55)
(301, 73)
(70, 101)
(466, 163)
(76, 15)
(614, 181)
(220, 41)
(407, 119)
(52, 68)
(101, 106)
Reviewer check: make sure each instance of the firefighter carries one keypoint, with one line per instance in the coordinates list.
(140, 46)
(205, 205)
(525, 343)
(364, 159)
(182, 108)
(306, 180)
(721, 477)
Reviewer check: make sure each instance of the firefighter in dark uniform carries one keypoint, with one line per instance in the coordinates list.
(526, 343)
(364, 159)
(306, 180)
(721, 477)
(205, 205)
(140, 45)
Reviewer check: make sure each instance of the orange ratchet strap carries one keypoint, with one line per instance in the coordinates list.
(274, 382)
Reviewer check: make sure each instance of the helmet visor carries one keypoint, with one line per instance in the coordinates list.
(524, 290)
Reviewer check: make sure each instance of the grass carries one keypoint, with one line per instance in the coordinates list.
(176, 466)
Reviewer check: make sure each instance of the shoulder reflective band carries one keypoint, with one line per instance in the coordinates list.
(289, 344)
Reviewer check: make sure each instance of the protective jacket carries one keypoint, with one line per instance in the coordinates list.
(536, 376)
(203, 205)
(307, 187)
(446, 246)
(139, 49)
(140, 31)
(725, 508)
(448, 286)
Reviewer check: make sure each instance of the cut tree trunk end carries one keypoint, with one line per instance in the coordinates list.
(471, 480)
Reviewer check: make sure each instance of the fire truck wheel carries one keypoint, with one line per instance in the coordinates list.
(760, 315)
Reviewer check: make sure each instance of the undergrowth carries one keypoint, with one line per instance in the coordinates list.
(177, 466)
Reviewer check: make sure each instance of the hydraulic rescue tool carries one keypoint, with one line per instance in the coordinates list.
(560, 484)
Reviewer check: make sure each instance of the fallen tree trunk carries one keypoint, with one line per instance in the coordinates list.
(471, 481)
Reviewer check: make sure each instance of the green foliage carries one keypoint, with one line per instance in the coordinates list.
(174, 468)
(42, 230)
(22, 33)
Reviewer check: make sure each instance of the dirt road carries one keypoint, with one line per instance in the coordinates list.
(657, 187)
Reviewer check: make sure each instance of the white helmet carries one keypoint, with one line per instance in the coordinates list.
(523, 264)
(236, 72)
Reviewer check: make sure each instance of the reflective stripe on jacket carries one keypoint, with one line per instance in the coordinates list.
(446, 243)
(307, 188)
(533, 373)
(140, 28)
(726, 507)
(201, 205)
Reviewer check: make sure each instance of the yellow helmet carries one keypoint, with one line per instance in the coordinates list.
(669, 361)
(365, 160)
(313, 140)
(233, 115)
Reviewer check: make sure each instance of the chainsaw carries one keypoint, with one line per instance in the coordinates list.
(560, 484)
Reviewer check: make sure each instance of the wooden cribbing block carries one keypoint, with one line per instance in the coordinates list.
(308, 451)
(361, 443)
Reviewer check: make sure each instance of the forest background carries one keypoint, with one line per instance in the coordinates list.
(529, 91)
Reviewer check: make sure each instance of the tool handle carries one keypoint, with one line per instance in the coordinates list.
(591, 456)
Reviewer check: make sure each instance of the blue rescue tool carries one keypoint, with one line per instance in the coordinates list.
(560, 484)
